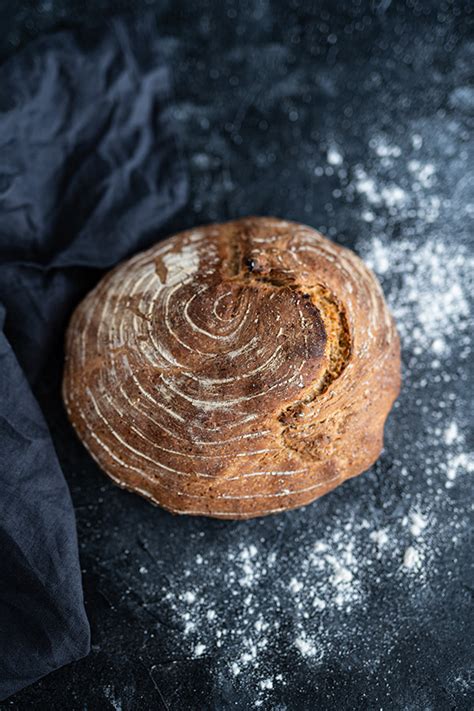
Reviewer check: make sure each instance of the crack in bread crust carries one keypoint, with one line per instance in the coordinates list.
(304, 441)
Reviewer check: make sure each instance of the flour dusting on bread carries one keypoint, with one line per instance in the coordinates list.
(235, 370)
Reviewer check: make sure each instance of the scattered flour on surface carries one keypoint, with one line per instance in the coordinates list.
(252, 598)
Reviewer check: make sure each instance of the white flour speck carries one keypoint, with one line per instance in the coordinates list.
(411, 558)
(295, 585)
(304, 646)
(235, 669)
(418, 523)
(379, 537)
(334, 156)
(451, 433)
(189, 597)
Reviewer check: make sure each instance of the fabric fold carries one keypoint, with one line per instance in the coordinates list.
(90, 173)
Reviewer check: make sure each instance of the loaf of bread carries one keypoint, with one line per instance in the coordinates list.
(234, 370)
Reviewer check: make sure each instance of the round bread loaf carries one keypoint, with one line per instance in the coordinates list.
(234, 370)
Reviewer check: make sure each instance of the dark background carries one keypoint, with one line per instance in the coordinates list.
(263, 90)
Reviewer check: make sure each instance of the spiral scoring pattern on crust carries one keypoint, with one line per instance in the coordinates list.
(233, 370)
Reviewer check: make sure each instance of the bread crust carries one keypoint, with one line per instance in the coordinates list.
(234, 370)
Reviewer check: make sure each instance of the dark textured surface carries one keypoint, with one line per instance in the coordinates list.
(262, 92)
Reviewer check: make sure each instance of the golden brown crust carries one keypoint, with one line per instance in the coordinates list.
(234, 370)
